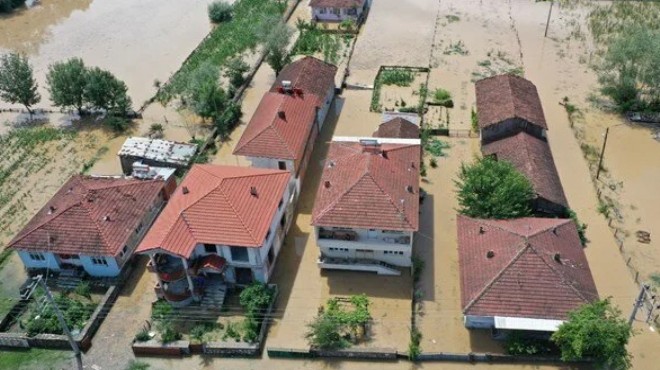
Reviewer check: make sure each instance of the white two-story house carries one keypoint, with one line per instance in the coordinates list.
(92, 225)
(338, 10)
(224, 225)
(283, 129)
(367, 205)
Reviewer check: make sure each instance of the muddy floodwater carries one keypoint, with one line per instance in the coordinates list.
(138, 41)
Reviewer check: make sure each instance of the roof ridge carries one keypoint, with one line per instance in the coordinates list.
(558, 273)
(497, 226)
(96, 224)
(337, 199)
(511, 95)
(497, 277)
(389, 196)
(238, 215)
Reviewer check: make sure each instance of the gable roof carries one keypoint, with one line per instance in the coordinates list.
(533, 158)
(279, 128)
(91, 216)
(336, 3)
(369, 189)
(218, 208)
(312, 75)
(398, 127)
(522, 278)
(508, 96)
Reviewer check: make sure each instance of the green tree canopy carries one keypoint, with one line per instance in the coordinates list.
(595, 330)
(234, 71)
(17, 84)
(203, 94)
(276, 35)
(630, 73)
(493, 189)
(105, 92)
(66, 84)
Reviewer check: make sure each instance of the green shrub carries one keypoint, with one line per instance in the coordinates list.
(220, 11)
(161, 310)
(396, 77)
(45, 321)
(474, 119)
(250, 329)
(84, 290)
(435, 147)
(168, 334)
(443, 97)
(256, 298)
(414, 350)
(199, 331)
(433, 163)
(581, 227)
(518, 344)
(231, 332)
(143, 335)
(137, 365)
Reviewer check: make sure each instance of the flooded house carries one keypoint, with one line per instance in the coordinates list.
(533, 158)
(398, 127)
(92, 225)
(155, 152)
(338, 10)
(367, 204)
(224, 225)
(506, 105)
(287, 121)
(522, 274)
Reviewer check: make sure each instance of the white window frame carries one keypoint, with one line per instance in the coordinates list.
(37, 256)
(99, 261)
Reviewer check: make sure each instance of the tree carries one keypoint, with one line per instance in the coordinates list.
(276, 40)
(234, 71)
(220, 11)
(105, 92)
(493, 189)
(17, 84)
(629, 73)
(203, 94)
(325, 333)
(66, 84)
(595, 330)
(7, 6)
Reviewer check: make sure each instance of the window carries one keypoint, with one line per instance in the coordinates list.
(37, 256)
(239, 254)
(336, 11)
(123, 251)
(99, 261)
(271, 255)
(267, 236)
(138, 228)
(279, 206)
(351, 11)
(392, 232)
(210, 248)
(281, 165)
(322, 11)
(283, 220)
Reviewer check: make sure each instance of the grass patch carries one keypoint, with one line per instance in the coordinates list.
(456, 48)
(32, 359)
(230, 38)
(443, 97)
(313, 41)
(436, 147)
(397, 77)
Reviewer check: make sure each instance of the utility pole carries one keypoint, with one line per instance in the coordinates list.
(638, 303)
(602, 151)
(653, 306)
(60, 317)
(547, 23)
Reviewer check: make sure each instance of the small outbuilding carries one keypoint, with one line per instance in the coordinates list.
(338, 10)
(155, 152)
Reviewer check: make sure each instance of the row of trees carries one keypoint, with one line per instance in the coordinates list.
(71, 85)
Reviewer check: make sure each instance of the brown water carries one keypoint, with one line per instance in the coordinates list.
(138, 41)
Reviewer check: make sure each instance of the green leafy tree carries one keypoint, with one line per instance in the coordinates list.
(493, 189)
(104, 91)
(630, 73)
(256, 297)
(17, 84)
(66, 84)
(220, 11)
(276, 35)
(595, 330)
(7, 6)
(204, 95)
(325, 333)
(235, 70)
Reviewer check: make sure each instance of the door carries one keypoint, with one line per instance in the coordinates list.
(364, 254)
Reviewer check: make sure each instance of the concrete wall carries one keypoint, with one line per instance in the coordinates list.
(369, 240)
(479, 322)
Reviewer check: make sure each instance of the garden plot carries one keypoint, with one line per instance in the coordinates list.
(399, 89)
(331, 47)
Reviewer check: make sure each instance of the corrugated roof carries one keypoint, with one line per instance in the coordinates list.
(522, 277)
(279, 127)
(215, 205)
(508, 96)
(158, 150)
(89, 216)
(533, 158)
(367, 188)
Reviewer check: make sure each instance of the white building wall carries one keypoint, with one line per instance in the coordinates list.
(112, 269)
(49, 262)
(369, 245)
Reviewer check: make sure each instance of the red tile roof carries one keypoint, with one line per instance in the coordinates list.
(279, 127)
(398, 128)
(369, 190)
(508, 96)
(91, 216)
(312, 75)
(218, 208)
(336, 3)
(533, 158)
(522, 278)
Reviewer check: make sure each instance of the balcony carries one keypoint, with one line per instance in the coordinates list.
(353, 236)
(367, 265)
(175, 294)
(168, 268)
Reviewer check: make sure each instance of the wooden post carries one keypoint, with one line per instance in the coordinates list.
(547, 23)
(602, 151)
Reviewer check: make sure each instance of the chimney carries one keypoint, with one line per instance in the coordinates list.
(253, 191)
(409, 189)
(384, 154)
(286, 86)
(298, 91)
(281, 114)
(554, 230)
(106, 218)
(557, 258)
(326, 184)
(51, 210)
(185, 190)
(481, 230)
(490, 254)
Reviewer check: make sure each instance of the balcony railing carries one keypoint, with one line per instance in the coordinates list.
(350, 235)
(168, 269)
